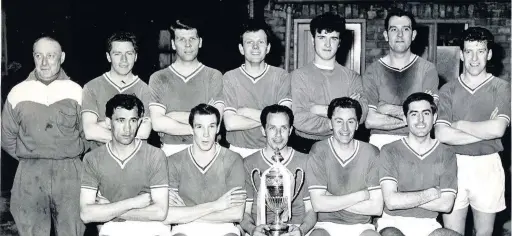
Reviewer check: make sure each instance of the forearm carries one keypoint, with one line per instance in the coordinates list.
(319, 110)
(9, 146)
(309, 222)
(167, 125)
(486, 130)
(251, 113)
(179, 116)
(332, 203)
(310, 123)
(452, 136)
(235, 122)
(145, 129)
(408, 200)
(104, 212)
(185, 214)
(96, 132)
(153, 212)
(372, 206)
(376, 120)
(230, 215)
(442, 204)
(391, 110)
(248, 223)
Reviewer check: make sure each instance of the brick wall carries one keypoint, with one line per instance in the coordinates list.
(494, 16)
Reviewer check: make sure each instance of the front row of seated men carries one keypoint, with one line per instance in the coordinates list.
(206, 189)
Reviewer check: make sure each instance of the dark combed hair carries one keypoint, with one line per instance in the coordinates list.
(203, 109)
(415, 97)
(185, 24)
(126, 101)
(253, 25)
(122, 36)
(477, 34)
(274, 109)
(345, 102)
(399, 13)
(329, 22)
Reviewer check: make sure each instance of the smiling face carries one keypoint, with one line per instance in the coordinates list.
(122, 57)
(420, 118)
(344, 124)
(254, 46)
(326, 44)
(475, 56)
(277, 130)
(399, 34)
(205, 130)
(186, 43)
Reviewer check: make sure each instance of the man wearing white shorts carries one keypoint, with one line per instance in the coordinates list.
(474, 112)
(130, 174)
(206, 181)
(418, 175)
(342, 176)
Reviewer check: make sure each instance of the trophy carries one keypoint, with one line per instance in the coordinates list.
(277, 185)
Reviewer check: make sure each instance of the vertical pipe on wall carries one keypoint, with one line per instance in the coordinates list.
(251, 9)
(288, 37)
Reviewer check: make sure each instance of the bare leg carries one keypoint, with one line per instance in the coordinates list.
(484, 222)
(456, 220)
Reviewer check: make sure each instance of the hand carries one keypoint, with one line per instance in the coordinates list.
(234, 197)
(101, 200)
(355, 96)
(175, 199)
(494, 113)
(436, 191)
(429, 92)
(161, 134)
(366, 194)
(242, 111)
(211, 102)
(104, 124)
(293, 230)
(142, 200)
(260, 230)
(458, 124)
(318, 109)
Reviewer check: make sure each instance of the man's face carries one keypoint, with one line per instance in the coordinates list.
(326, 44)
(122, 57)
(254, 46)
(48, 57)
(277, 130)
(186, 43)
(475, 56)
(205, 130)
(420, 118)
(399, 34)
(344, 124)
(124, 125)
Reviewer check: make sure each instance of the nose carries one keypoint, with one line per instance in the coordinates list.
(255, 46)
(400, 33)
(124, 58)
(126, 127)
(328, 43)
(44, 62)
(188, 43)
(421, 118)
(206, 132)
(344, 127)
(474, 56)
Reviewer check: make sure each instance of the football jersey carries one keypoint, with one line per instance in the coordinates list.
(328, 171)
(262, 162)
(243, 90)
(118, 179)
(196, 184)
(98, 91)
(413, 171)
(390, 85)
(459, 102)
(175, 92)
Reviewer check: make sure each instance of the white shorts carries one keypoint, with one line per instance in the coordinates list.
(380, 140)
(481, 181)
(342, 229)
(201, 229)
(410, 226)
(170, 149)
(135, 228)
(244, 152)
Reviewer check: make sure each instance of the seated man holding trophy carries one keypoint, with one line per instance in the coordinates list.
(278, 186)
(342, 176)
(206, 182)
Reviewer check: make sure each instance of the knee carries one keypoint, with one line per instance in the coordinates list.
(483, 231)
(369, 232)
(319, 232)
(231, 234)
(391, 231)
(444, 232)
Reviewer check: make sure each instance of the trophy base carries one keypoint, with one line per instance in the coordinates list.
(277, 229)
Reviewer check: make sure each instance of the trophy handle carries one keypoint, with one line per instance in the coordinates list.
(253, 182)
(297, 191)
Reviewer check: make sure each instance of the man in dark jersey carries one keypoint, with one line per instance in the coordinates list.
(131, 175)
(122, 55)
(320, 81)
(277, 121)
(474, 112)
(418, 175)
(342, 176)
(390, 80)
(181, 86)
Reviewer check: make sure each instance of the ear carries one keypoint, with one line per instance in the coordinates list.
(62, 57)
(135, 57)
(461, 55)
(108, 57)
(414, 33)
(218, 129)
(268, 48)
(200, 42)
(385, 33)
(263, 131)
(108, 121)
(435, 118)
(241, 49)
(330, 125)
(291, 130)
(173, 45)
(489, 55)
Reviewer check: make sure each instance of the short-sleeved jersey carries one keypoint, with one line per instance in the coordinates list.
(386, 84)
(98, 91)
(457, 101)
(261, 162)
(117, 180)
(196, 184)
(242, 90)
(175, 92)
(312, 85)
(328, 171)
(413, 171)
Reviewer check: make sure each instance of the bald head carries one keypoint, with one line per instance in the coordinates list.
(48, 57)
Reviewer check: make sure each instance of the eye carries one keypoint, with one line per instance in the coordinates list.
(37, 56)
(351, 122)
(130, 53)
(272, 128)
(392, 29)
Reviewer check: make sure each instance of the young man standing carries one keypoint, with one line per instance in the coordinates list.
(388, 81)
(130, 174)
(342, 176)
(250, 88)
(122, 55)
(474, 112)
(317, 83)
(180, 87)
(206, 181)
(277, 121)
(418, 175)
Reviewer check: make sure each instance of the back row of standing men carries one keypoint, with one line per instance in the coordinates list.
(48, 118)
